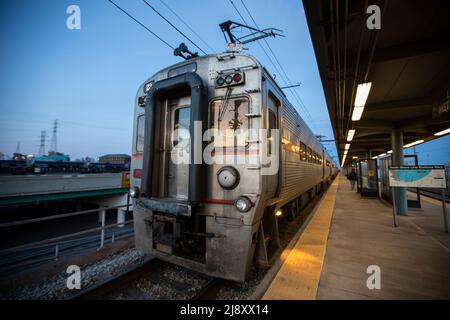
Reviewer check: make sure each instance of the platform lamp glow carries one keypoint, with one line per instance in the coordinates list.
(350, 134)
(362, 93)
(441, 133)
(343, 160)
(413, 144)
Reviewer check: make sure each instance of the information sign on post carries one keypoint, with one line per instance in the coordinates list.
(420, 177)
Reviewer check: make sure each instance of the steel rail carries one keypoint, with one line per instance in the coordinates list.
(120, 280)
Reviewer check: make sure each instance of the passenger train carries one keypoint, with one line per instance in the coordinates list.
(219, 218)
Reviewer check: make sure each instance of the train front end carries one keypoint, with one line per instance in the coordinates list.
(196, 180)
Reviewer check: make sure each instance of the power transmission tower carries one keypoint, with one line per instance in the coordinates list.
(53, 143)
(42, 144)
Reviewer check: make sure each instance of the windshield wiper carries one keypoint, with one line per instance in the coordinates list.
(224, 104)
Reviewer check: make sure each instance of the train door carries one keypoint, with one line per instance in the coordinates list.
(179, 111)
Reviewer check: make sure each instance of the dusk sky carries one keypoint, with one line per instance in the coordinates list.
(88, 78)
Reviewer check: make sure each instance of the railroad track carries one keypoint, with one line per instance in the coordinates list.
(158, 280)
(153, 279)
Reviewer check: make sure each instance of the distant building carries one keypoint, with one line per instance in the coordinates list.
(115, 158)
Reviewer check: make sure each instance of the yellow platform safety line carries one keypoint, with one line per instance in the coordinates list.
(298, 278)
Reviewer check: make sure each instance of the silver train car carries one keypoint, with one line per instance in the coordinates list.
(215, 218)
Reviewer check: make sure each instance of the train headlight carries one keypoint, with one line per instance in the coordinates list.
(134, 193)
(228, 177)
(148, 86)
(243, 204)
(228, 79)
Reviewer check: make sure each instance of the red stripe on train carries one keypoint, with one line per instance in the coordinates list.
(233, 153)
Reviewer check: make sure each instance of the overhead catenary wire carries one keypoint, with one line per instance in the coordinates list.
(187, 25)
(283, 73)
(142, 25)
(293, 91)
(173, 26)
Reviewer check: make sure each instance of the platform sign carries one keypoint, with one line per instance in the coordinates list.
(417, 176)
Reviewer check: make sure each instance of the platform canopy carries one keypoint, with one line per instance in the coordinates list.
(407, 62)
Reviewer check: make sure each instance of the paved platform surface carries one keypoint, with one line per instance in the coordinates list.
(347, 234)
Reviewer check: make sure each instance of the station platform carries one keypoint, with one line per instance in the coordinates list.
(347, 233)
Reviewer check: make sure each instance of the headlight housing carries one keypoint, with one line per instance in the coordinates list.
(228, 177)
(243, 204)
(134, 193)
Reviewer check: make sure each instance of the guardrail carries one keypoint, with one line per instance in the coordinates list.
(56, 241)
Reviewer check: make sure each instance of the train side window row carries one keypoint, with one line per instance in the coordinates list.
(308, 155)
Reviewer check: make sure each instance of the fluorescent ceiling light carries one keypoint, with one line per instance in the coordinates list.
(382, 155)
(350, 134)
(362, 92)
(355, 157)
(441, 133)
(374, 158)
(345, 152)
(343, 160)
(357, 113)
(390, 151)
(347, 146)
(413, 143)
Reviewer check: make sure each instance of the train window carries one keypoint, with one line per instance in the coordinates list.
(300, 153)
(303, 152)
(309, 154)
(190, 67)
(140, 133)
(229, 119)
(181, 124)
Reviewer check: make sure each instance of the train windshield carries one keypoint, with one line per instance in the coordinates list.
(229, 118)
(181, 125)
